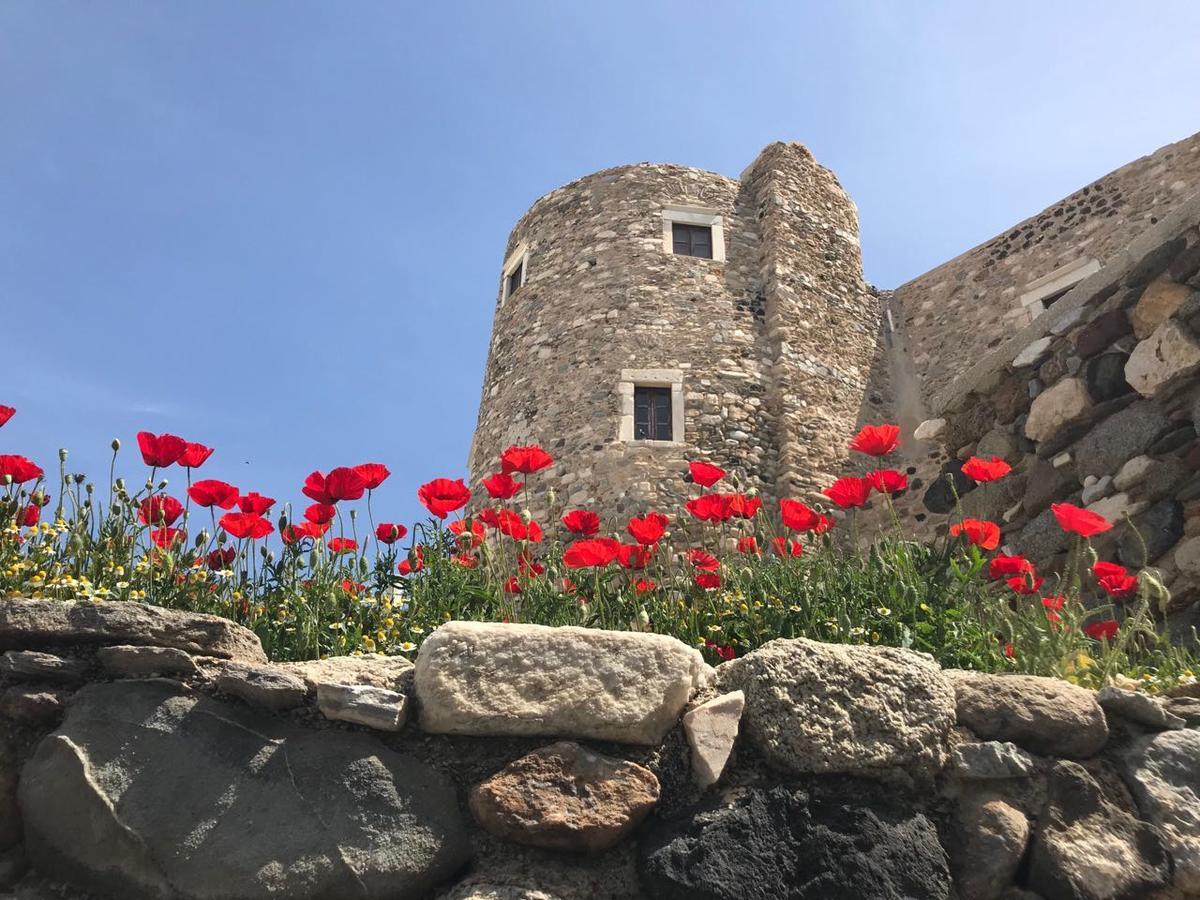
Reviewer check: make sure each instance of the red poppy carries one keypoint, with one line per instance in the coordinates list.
(1002, 566)
(246, 525)
(320, 513)
(372, 474)
(876, 440)
(414, 563)
(1054, 603)
(743, 507)
(160, 450)
(489, 516)
(568, 586)
(824, 523)
(159, 510)
(30, 516)
(502, 486)
(443, 496)
(724, 652)
(634, 556)
(582, 521)
(1079, 521)
(344, 483)
(649, 529)
(705, 474)
(1026, 584)
(528, 566)
(798, 516)
(459, 528)
(353, 588)
(702, 559)
(787, 548)
(166, 538)
(255, 503)
(983, 534)
(6, 413)
(526, 460)
(389, 533)
(848, 492)
(343, 545)
(466, 560)
(748, 545)
(315, 488)
(1115, 580)
(644, 586)
(707, 580)
(591, 552)
(211, 492)
(1104, 630)
(983, 470)
(221, 558)
(19, 469)
(512, 586)
(710, 508)
(888, 481)
(194, 455)
(514, 525)
(298, 532)
(1008, 651)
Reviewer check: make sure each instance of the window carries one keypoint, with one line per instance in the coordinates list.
(651, 413)
(516, 278)
(1042, 292)
(691, 240)
(513, 274)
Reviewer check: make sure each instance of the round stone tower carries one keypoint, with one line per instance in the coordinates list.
(649, 315)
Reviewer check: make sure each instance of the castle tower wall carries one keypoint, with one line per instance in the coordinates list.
(766, 351)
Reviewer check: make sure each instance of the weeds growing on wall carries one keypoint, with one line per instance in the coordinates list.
(723, 573)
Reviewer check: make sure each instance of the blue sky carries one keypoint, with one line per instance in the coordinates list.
(276, 227)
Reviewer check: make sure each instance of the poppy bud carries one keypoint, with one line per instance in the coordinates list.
(87, 504)
(262, 551)
(283, 522)
(550, 497)
(312, 558)
(353, 514)
(149, 484)
(526, 516)
(38, 497)
(362, 565)
(116, 445)
(162, 485)
(7, 479)
(201, 539)
(220, 538)
(270, 556)
(119, 484)
(90, 487)
(62, 454)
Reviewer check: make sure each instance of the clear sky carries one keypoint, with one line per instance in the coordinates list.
(277, 227)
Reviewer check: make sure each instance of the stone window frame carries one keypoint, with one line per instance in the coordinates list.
(519, 258)
(1057, 282)
(694, 215)
(668, 378)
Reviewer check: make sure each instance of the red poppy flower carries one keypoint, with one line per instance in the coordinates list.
(568, 586)
(1002, 566)
(1079, 521)
(797, 516)
(590, 552)
(6, 413)
(849, 492)
(372, 474)
(582, 521)
(489, 516)
(343, 545)
(526, 460)
(30, 516)
(159, 510)
(983, 534)
(649, 529)
(528, 566)
(502, 486)
(211, 492)
(743, 507)
(344, 483)
(748, 545)
(466, 560)
(824, 524)
(443, 496)
(515, 526)
(255, 503)
(787, 548)
(389, 533)
(459, 528)
(160, 450)
(634, 556)
(1054, 603)
(512, 586)
(1104, 630)
(246, 525)
(221, 558)
(888, 481)
(318, 512)
(710, 508)
(19, 469)
(876, 440)
(194, 455)
(1008, 651)
(724, 652)
(293, 533)
(1115, 580)
(984, 470)
(708, 580)
(353, 588)
(315, 489)
(702, 559)
(1026, 584)
(414, 563)
(644, 586)
(166, 538)
(705, 474)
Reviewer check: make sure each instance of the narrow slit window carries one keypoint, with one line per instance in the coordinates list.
(516, 278)
(692, 240)
(652, 413)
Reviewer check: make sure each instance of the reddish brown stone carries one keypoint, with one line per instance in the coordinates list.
(1099, 334)
(565, 797)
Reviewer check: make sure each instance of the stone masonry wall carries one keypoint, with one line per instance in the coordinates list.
(775, 342)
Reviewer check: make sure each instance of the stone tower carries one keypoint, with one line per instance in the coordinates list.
(653, 314)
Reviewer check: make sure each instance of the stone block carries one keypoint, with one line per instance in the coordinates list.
(1168, 354)
(263, 686)
(1159, 301)
(30, 665)
(711, 729)
(363, 704)
(128, 661)
(1061, 404)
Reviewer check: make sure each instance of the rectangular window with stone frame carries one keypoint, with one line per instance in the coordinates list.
(652, 413)
(692, 240)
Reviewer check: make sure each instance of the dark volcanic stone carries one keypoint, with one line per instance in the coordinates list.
(1161, 527)
(1173, 440)
(1120, 438)
(1186, 264)
(833, 839)
(939, 498)
(1045, 484)
(1105, 377)
(1099, 333)
(1042, 537)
